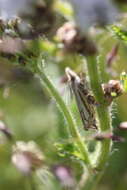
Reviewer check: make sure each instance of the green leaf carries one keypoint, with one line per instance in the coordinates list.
(68, 150)
(119, 33)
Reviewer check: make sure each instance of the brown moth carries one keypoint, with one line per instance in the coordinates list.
(85, 101)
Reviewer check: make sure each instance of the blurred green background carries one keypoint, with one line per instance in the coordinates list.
(31, 113)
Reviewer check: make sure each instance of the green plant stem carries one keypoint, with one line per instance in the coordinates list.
(103, 116)
(29, 183)
(32, 182)
(101, 62)
(71, 124)
(92, 181)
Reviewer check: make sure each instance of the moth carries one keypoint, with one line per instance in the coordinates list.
(85, 101)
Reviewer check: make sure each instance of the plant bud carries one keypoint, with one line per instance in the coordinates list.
(74, 41)
(104, 136)
(123, 125)
(116, 138)
(112, 55)
(112, 90)
(63, 173)
(42, 19)
(27, 157)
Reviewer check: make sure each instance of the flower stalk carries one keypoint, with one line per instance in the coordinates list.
(73, 131)
(94, 175)
(104, 122)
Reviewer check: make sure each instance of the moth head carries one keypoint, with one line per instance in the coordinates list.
(72, 76)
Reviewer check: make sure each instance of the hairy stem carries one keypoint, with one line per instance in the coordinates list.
(103, 116)
(92, 181)
(71, 123)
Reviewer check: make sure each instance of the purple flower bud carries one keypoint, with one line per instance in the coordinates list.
(112, 55)
(63, 173)
(27, 157)
(22, 163)
(104, 136)
(117, 138)
(123, 125)
(74, 41)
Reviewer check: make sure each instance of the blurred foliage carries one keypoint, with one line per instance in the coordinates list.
(30, 112)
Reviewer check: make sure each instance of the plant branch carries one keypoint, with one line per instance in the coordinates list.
(103, 116)
(68, 116)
